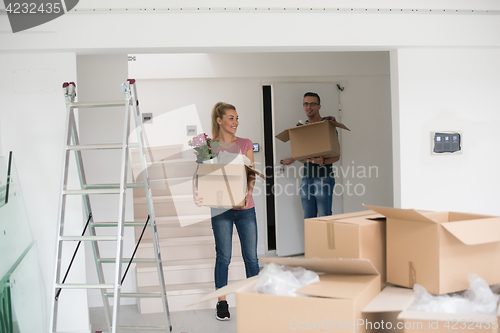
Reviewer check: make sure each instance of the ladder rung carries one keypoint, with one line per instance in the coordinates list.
(88, 238)
(100, 146)
(93, 191)
(144, 328)
(136, 295)
(81, 105)
(108, 186)
(135, 260)
(96, 146)
(84, 286)
(115, 224)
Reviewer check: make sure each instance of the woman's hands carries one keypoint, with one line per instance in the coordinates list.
(197, 199)
(248, 197)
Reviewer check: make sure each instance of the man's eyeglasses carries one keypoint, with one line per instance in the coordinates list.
(311, 104)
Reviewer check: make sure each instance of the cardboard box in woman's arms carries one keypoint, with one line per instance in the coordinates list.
(223, 185)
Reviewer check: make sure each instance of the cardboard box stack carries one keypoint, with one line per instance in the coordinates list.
(436, 250)
(359, 252)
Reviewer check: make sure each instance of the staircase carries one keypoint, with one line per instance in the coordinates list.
(188, 253)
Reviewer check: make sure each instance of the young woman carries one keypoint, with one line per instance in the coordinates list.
(224, 126)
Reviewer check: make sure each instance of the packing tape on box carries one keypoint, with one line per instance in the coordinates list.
(330, 234)
(219, 198)
(228, 187)
(413, 275)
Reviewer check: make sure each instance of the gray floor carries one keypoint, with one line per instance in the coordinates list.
(196, 321)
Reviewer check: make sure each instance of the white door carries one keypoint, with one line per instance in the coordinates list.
(287, 111)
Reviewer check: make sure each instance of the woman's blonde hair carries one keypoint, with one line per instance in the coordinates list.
(218, 111)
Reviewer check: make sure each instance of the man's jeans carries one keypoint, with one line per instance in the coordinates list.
(317, 196)
(222, 226)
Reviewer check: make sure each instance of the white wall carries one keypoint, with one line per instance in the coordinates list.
(449, 90)
(33, 117)
(238, 78)
(367, 149)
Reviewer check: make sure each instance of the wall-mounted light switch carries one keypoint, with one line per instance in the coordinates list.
(191, 130)
(147, 118)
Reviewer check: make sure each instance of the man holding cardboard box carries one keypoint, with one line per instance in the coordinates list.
(317, 186)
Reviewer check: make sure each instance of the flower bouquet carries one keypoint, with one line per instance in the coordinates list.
(204, 147)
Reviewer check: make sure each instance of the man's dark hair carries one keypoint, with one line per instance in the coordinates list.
(312, 94)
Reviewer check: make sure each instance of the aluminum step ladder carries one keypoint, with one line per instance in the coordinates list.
(110, 289)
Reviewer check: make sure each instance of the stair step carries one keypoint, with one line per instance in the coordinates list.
(179, 296)
(182, 219)
(165, 198)
(168, 161)
(187, 248)
(175, 230)
(167, 169)
(170, 186)
(174, 265)
(187, 271)
(171, 207)
(156, 153)
(186, 241)
(181, 289)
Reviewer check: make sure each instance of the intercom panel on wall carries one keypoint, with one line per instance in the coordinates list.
(446, 143)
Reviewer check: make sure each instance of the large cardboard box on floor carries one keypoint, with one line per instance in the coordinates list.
(315, 139)
(352, 235)
(392, 305)
(438, 249)
(223, 185)
(336, 302)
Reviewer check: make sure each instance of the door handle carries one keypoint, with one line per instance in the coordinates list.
(280, 170)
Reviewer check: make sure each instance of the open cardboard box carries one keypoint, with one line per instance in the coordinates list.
(393, 302)
(223, 185)
(438, 249)
(312, 140)
(345, 288)
(352, 235)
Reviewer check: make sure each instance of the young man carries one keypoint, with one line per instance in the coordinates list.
(316, 190)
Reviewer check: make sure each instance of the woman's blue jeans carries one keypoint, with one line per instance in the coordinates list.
(316, 194)
(222, 226)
